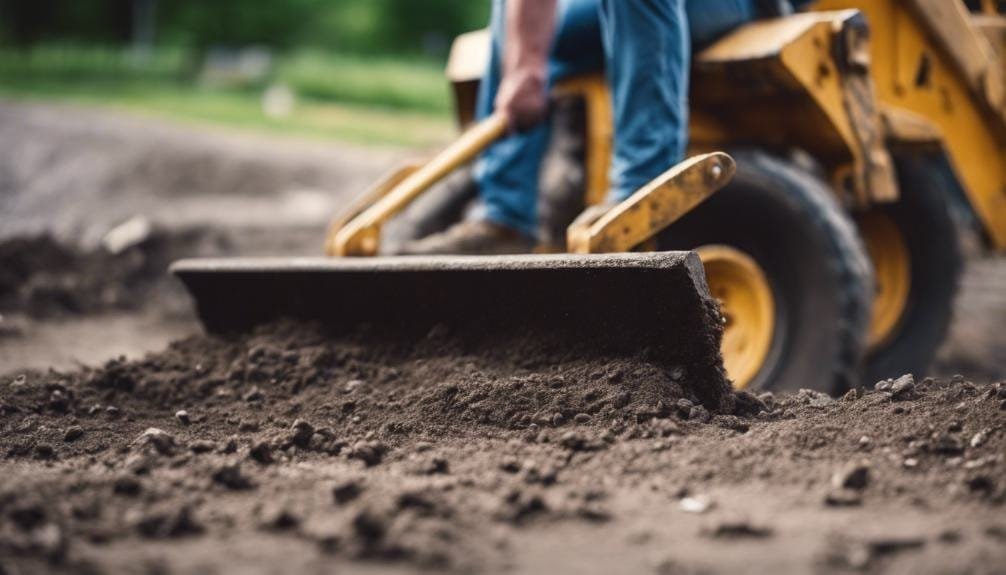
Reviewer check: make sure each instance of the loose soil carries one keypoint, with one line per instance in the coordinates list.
(291, 449)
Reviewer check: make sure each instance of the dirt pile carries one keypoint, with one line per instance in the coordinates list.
(364, 384)
(289, 449)
(43, 278)
(239, 406)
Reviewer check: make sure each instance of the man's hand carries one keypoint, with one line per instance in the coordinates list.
(522, 95)
(522, 98)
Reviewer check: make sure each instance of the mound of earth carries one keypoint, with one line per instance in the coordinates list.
(43, 278)
(290, 450)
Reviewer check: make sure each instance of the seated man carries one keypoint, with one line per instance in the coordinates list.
(645, 48)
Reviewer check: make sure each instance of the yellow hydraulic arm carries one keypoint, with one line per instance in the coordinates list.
(600, 229)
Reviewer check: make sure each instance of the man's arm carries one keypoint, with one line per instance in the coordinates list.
(530, 25)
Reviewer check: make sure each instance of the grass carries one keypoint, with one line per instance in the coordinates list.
(365, 101)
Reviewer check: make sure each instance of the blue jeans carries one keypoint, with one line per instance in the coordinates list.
(645, 48)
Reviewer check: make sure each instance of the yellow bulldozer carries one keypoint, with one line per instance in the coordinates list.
(865, 139)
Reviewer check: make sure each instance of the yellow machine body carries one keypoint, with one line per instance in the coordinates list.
(843, 88)
(849, 83)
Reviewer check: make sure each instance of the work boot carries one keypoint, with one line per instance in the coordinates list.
(475, 237)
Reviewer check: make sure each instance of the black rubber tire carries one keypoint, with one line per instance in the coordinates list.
(924, 216)
(791, 224)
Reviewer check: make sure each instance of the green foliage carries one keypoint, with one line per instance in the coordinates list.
(355, 26)
(396, 26)
(396, 83)
(201, 23)
(355, 98)
(72, 63)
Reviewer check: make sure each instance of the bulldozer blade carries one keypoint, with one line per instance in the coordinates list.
(621, 304)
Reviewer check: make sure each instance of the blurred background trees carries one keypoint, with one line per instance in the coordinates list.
(348, 26)
(360, 70)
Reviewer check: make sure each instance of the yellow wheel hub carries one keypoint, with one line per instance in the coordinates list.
(892, 266)
(748, 309)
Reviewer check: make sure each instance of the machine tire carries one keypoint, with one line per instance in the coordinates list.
(924, 217)
(791, 224)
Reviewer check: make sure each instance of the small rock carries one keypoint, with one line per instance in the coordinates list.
(699, 414)
(576, 441)
(843, 498)
(732, 423)
(253, 394)
(997, 532)
(518, 505)
(50, 541)
(354, 385)
(910, 463)
(301, 433)
(981, 484)
(684, 406)
(279, 519)
(814, 398)
(436, 466)
(979, 439)
(19, 383)
(949, 536)
(855, 476)
(73, 433)
(347, 491)
(370, 453)
(160, 440)
(851, 395)
(183, 417)
(44, 451)
(231, 477)
(533, 474)
(169, 523)
(127, 485)
(510, 464)
(202, 446)
(903, 387)
(947, 445)
(59, 402)
(696, 504)
(369, 527)
(884, 385)
(887, 546)
(126, 235)
(112, 411)
(261, 452)
(231, 446)
(739, 530)
(558, 420)
(581, 418)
